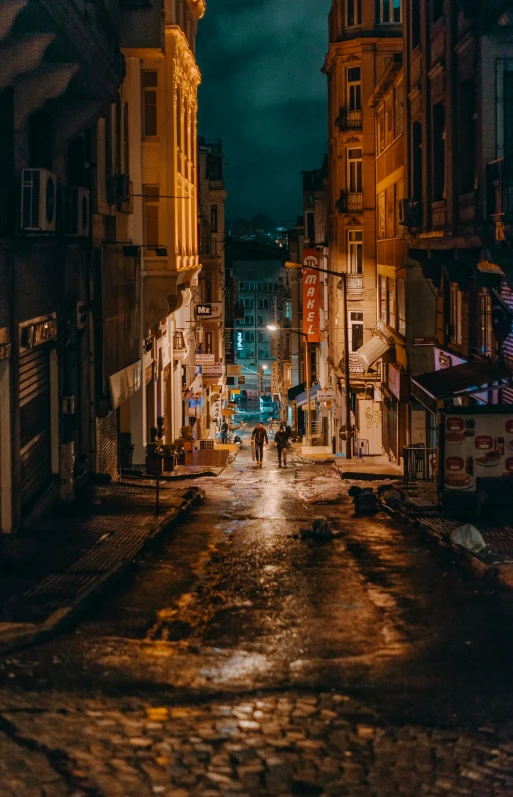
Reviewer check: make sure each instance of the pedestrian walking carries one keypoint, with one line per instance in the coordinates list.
(259, 437)
(281, 439)
(224, 432)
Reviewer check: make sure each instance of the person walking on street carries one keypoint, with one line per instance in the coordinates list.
(259, 437)
(224, 432)
(281, 439)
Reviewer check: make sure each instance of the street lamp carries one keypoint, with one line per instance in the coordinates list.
(274, 328)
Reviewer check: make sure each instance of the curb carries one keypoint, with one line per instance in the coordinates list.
(497, 574)
(62, 619)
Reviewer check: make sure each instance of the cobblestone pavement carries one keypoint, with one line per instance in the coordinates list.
(239, 659)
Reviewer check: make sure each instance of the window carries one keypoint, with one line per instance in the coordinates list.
(249, 320)
(390, 211)
(381, 215)
(213, 218)
(149, 89)
(354, 88)
(401, 307)
(381, 129)
(398, 109)
(249, 337)
(151, 214)
(438, 152)
(355, 331)
(391, 302)
(260, 321)
(388, 11)
(354, 13)
(399, 194)
(263, 304)
(416, 142)
(355, 252)
(455, 314)
(354, 171)
(467, 148)
(383, 305)
(242, 286)
(437, 9)
(485, 323)
(207, 286)
(248, 302)
(389, 119)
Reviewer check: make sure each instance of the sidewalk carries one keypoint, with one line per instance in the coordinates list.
(495, 563)
(51, 572)
(368, 468)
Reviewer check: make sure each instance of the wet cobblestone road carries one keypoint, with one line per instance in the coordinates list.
(239, 659)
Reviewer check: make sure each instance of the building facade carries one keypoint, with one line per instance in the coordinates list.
(364, 38)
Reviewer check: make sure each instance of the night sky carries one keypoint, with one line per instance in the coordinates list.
(263, 94)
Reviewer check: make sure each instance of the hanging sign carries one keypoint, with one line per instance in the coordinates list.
(203, 359)
(311, 280)
(233, 370)
(326, 395)
(212, 369)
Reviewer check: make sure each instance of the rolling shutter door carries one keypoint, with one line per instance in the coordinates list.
(507, 297)
(35, 451)
(108, 444)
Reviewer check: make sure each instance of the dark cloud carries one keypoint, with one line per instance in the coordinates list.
(264, 96)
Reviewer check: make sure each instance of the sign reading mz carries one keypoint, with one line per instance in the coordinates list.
(204, 310)
(311, 295)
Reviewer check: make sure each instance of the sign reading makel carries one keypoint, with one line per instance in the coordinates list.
(311, 280)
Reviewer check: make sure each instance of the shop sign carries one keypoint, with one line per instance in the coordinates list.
(212, 369)
(204, 359)
(233, 370)
(242, 380)
(477, 445)
(216, 410)
(326, 395)
(204, 310)
(37, 332)
(398, 382)
(420, 341)
(275, 377)
(311, 280)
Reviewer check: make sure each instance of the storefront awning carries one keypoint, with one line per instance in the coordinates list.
(303, 398)
(295, 391)
(449, 383)
(371, 351)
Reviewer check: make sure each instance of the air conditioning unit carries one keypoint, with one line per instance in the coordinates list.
(118, 187)
(410, 213)
(75, 217)
(38, 200)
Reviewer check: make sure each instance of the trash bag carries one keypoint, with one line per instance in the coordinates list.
(468, 537)
(354, 490)
(366, 503)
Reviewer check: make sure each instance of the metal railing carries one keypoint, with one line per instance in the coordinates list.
(350, 202)
(354, 284)
(419, 464)
(349, 120)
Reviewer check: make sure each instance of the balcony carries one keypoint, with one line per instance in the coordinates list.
(349, 120)
(350, 202)
(354, 286)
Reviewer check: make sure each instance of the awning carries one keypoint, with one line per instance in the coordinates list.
(372, 351)
(303, 398)
(295, 391)
(449, 383)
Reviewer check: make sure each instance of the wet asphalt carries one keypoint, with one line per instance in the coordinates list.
(232, 607)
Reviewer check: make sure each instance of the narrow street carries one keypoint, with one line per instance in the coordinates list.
(240, 659)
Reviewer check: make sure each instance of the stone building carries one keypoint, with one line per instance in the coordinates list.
(364, 38)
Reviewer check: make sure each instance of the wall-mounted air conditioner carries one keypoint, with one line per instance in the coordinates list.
(118, 187)
(75, 216)
(38, 200)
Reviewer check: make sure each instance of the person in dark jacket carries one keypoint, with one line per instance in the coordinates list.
(259, 437)
(224, 432)
(281, 439)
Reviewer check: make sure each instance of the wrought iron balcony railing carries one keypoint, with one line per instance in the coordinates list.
(350, 202)
(354, 285)
(349, 120)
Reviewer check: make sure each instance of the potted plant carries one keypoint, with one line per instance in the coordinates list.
(187, 437)
(154, 459)
(169, 455)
